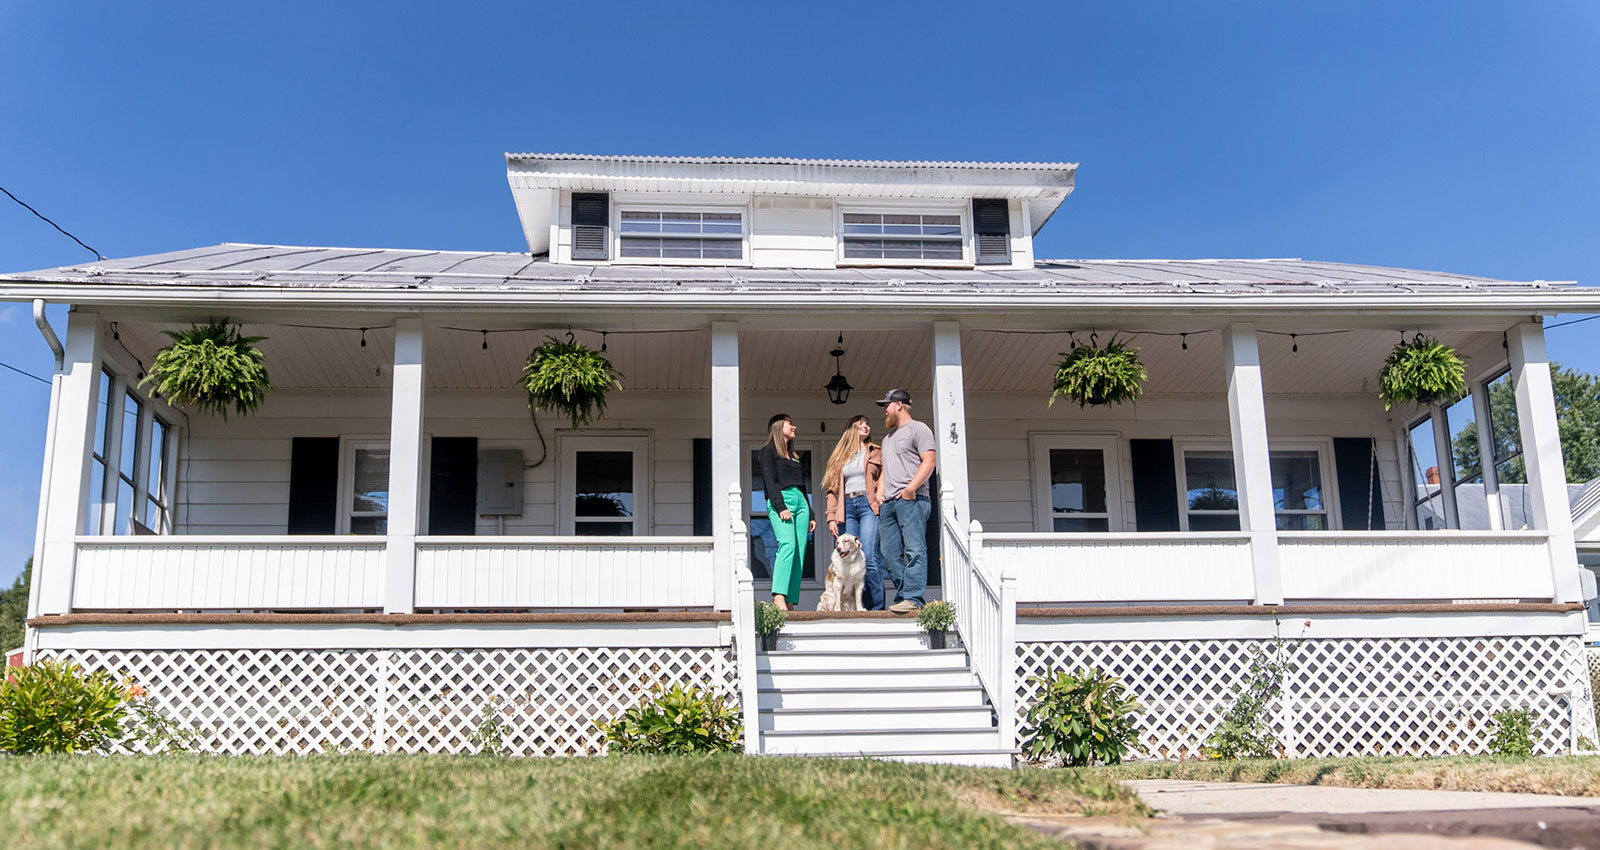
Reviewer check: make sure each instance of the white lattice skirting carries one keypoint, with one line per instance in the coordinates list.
(1346, 697)
(549, 700)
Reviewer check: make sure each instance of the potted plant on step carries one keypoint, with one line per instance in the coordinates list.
(769, 619)
(936, 618)
(210, 368)
(1099, 375)
(1422, 370)
(571, 379)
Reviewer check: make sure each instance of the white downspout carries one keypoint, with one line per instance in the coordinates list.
(54, 342)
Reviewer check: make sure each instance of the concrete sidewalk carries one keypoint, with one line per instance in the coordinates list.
(1181, 798)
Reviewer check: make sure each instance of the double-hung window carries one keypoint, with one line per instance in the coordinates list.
(903, 236)
(680, 235)
(367, 505)
(1300, 500)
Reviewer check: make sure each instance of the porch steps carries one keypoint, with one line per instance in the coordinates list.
(861, 688)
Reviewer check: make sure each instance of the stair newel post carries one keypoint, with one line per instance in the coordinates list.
(744, 627)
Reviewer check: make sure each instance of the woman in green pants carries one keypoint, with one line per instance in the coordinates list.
(783, 480)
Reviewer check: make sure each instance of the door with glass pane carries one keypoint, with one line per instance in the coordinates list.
(1077, 485)
(605, 486)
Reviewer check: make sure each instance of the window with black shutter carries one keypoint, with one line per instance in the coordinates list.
(991, 221)
(591, 220)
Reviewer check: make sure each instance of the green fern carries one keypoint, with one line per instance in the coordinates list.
(210, 368)
(571, 379)
(1093, 374)
(1422, 370)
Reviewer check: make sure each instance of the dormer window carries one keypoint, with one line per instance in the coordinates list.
(658, 234)
(902, 237)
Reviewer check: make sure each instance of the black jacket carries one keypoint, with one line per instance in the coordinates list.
(779, 474)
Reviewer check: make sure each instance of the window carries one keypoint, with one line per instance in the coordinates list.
(1077, 483)
(903, 236)
(1300, 500)
(763, 543)
(131, 410)
(605, 486)
(679, 235)
(367, 470)
(157, 512)
(1426, 476)
(93, 519)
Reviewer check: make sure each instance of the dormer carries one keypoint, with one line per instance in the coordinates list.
(784, 213)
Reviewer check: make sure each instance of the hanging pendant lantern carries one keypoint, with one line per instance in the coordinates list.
(838, 388)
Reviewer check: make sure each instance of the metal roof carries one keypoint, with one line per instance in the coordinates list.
(787, 160)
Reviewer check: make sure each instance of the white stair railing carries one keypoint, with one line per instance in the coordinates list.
(744, 622)
(986, 617)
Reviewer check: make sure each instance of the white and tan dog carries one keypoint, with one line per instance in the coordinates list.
(846, 576)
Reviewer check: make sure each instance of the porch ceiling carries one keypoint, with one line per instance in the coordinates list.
(798, 361)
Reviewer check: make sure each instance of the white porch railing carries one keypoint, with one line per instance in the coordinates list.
(564, 572)
(744, 623)
(1415, 565)
(986, 618)
(196, 573)
(1125, 567)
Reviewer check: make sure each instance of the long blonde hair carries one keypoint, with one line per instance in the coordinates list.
(850, 442)
(775, 436)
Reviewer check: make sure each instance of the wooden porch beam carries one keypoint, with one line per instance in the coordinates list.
(405, 467)
(69, 472)
(1548, 507)
(725, 465)
(1252, 461)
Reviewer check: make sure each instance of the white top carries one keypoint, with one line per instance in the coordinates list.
(855, 474)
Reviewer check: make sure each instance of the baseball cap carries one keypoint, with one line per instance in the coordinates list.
(895, 395)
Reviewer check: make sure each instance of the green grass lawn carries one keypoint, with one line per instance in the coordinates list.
(437, 801)
(1577, 776)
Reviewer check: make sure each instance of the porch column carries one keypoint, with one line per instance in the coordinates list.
(1252, 462)
(1548, 508)
(69, 463)
(950, 418)
(1481, 413)
(405, 467)
(1445, 461)
(725, 465)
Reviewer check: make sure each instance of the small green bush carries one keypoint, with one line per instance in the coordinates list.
(937, 616)
(209, 368)
(677, 720)
(51, 707)
(1513, 733)
(490, 733)
(1081, 719)
(1095, 374)
(769, 618)
(571, 379)
(1246, 730)
(1422, 370)
(155, 728)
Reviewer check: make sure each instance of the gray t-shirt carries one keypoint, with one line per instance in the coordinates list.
(902, 454)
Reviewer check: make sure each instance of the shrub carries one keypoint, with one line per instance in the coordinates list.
(51, 707)
(490, 733)
(937, 616)
(210, 368)
(677, 720)
(155, 728)
(1092, 374)
(1246, 730)
(571, 379)
(769, 618)
(1513, 733)
(1081, 719)
(1422, 370)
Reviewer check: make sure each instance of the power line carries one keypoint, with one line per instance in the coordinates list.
(97, 254)
(25, 374)
(1573, 322)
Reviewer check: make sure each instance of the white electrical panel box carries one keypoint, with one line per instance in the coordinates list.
(499, 482)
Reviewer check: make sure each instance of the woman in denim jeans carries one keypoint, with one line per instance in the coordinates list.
(851, 484)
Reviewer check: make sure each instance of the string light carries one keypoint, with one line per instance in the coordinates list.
(1294, 346)
(1185, 340)
(363, 337)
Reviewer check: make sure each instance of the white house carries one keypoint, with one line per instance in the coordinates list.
(393, 548)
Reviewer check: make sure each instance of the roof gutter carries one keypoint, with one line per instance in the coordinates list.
(49, 333)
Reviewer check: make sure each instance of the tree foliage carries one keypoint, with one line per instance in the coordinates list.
(14, 609)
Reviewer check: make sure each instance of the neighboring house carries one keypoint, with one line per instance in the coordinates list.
(392, 549)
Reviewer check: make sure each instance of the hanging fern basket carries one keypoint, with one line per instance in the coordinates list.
(570, 379)
(1099, 375)
(1422, 370)
(210, 368)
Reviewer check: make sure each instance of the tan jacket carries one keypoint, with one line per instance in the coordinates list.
(874, 464)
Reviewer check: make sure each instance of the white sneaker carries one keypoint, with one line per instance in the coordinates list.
(904, 606)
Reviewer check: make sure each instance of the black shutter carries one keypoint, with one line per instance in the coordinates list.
(453, 486)
(1155, 485)
(591, 219)
(934, 536)
(991, 221)
(314, 485)
(1357, 469)
(704, 498)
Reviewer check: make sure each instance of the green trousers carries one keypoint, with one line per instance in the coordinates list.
(792, 536)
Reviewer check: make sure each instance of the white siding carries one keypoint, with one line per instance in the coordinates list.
(792, 233)
(1425, 565)
(189, 573)
(564, 572)
(1150, 567)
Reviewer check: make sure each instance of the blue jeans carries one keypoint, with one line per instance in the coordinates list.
(863, 523)
(903, 538)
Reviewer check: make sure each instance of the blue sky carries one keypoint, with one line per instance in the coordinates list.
(1458, 137)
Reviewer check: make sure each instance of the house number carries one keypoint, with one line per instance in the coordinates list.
(953, 438)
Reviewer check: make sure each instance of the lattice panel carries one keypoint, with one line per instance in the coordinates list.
(277, 702)
(1346, 697)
